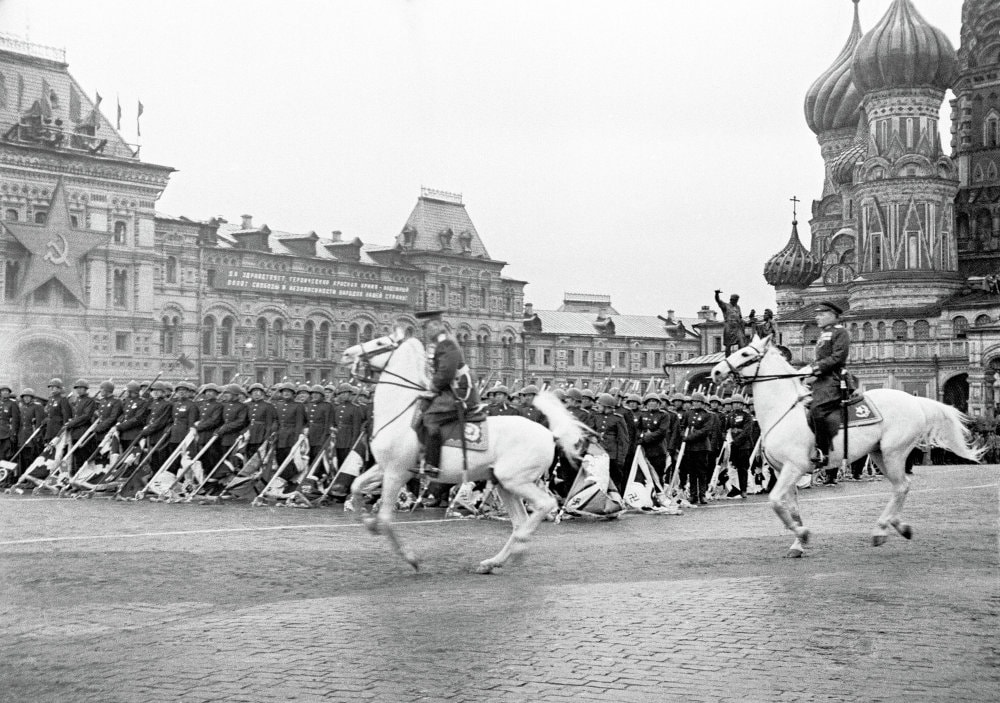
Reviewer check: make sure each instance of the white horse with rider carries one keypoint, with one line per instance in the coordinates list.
(519, 451)
(787, 442)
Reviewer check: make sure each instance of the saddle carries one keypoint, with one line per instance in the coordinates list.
(860, 412)
(476, 433)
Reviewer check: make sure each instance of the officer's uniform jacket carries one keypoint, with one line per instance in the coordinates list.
(234, 421)
(740, 425)
(654, 427)
(291, 421)
(135, 413)
(612, 434)
(109, 409)
(183, 417)
(84, 410)
(10, 419)
(696, 429)
(502, 409)
(832, 350)
(32, 417)
(209, 419)
(450, 378)
(263, 420)
(158, 418)
(58, 411)
(319, 417)
(347, 420)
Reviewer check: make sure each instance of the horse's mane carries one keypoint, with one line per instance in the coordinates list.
(417, 348)
(785, 367)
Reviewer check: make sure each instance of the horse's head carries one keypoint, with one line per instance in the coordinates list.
(742, 362)
(373, 353)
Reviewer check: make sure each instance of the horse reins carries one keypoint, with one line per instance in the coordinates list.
(407, 383)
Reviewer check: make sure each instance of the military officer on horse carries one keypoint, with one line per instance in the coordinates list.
(832, 351)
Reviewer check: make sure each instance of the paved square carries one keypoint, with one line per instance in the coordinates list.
(114, 602)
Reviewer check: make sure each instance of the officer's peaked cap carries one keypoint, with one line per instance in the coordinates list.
(826, 305)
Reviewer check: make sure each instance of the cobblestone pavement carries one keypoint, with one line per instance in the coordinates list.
(112, 602)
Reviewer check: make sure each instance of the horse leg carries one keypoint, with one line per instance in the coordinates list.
(518, 516)
(797, 549)
(780, 495)
(541, 504)
(359, 486)
(894, 467)
(392, 483)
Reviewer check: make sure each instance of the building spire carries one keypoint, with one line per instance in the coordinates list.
(795, 201)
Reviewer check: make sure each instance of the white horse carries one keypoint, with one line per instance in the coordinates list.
(519, 450)
(788, 443)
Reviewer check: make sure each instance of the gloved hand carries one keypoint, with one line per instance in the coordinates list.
(807, 370)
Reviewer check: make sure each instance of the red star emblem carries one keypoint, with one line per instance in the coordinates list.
(57, 248)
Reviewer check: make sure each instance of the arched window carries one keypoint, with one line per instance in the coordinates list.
(279, 339)
(226, 336)
(959, 326)
(982, 320)
(208, 336)
(168, 335)
(262, 337)
(854, 332)
(881, 331)
(900, 330)
(11, 215)
(867, 332)
(121, 230)
(353, 334)
(40, 218)
(308, 338)
(323, 341)
(991, 131)
(11, 271)
(119, 295)
(921, 329)
(368, 334)
(171, 269)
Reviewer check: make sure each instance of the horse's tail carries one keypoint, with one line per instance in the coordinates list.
(947, 427)
(569, 432)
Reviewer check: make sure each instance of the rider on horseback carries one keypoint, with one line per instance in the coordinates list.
(832, 351)
(452, 394)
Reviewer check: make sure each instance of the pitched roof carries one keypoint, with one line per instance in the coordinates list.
(705, 360)
(583, 324)
(432, 216)
(276, 243)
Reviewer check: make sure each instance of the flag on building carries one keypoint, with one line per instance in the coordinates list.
(118, 120)
(138, 114)
(185, 362)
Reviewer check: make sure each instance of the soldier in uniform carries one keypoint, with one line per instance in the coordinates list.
(58, 411)
(135, 412)
(159, 414)
(262, 419)
(573, 397)
(528, 409)
(347, 420)
(498, 402)
(10, 422)
(291, 423)
(832, 351)
(453, 388)
(612, 435)
(654, 428)
(32, 414)
(740, 424)
(109, 409)
(234, 421)
(183, 418)
(84, 409)
(697, 432)
(732, 328)
(587, 398)
(319, 418)
(209, 420)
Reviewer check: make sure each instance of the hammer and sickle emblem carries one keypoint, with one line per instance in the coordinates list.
(54, 255)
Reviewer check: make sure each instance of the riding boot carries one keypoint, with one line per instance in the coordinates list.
(432, 452)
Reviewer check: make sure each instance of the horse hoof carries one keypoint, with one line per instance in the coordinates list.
(803, 534)
(371, 524)
(794, 553)
(412, 560)
(878, 540)
(905, 530)
(484, 568)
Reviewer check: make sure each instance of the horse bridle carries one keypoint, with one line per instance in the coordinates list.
(366, 376)
(742, 380)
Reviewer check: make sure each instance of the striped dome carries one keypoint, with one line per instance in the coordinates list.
(904, 51)
(792, 266)
(833, 99)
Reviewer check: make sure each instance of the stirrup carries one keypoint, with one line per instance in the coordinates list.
(820, 459)
(428, 470)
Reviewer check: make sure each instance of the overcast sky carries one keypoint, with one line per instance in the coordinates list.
(646, 150)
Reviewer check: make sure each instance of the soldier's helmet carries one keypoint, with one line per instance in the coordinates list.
(737, 398)
(650, 396)
(132, 386)
(107, 386)
(697, 397)
(615, 391)
(234, 390)
(286, 386)
(687, 398)
(28, 391)
(210, 387)
(574, 393)
(714, 399)
(677, 396)
(366, 392)
(559, 393)
(633, 398)
(607, 400)
(159, 386)
(7, 386)
(257, 387)
(345, 388)
(588, 393)
(500, 389)
(530, 390)
(55, 383)
(184, 385)
(317, 389)
(80, 383)
(727, 401)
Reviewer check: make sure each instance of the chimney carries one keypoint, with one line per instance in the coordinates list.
(670, 315)
(706, 313)
(247, 222)
(529, 309)
(335, 235)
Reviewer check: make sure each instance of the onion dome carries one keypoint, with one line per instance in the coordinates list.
(904, 51)
(792, 266)
(833, 99)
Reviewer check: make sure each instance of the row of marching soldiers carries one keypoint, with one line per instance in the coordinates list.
(181, 442)
(693, 430)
